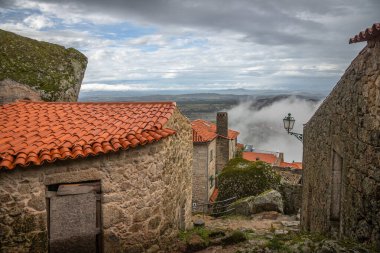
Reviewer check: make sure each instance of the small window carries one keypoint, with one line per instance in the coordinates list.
(212, 180)
(211, 155)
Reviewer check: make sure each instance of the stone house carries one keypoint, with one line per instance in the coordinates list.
(93, 177)
(341, 175)
(214, 145)
(275, 159)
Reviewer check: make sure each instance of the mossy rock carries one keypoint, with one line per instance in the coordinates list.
(53, 71)
(242, 178)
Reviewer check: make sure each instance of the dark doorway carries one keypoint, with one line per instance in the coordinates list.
(74, 218)
(336, 186)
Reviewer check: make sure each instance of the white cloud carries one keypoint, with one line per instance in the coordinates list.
(38, 22)
(169, 75)
(111, 87)
(199, 46)
(68, 13)
(263, 128)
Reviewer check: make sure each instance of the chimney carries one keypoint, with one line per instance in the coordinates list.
(222, 124)
(281, 156)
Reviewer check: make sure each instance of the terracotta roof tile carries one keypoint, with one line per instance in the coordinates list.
(295, 165)
(204, 131)
(38, 132)
(368, 34)
(254, 156)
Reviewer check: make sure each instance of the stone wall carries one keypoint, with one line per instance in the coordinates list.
(232, 147)
(225, 151)
(347, 127)
(211, 167)
(199, 176)
(222, 153)
(145, 195)
(203, 167)
(35, 69)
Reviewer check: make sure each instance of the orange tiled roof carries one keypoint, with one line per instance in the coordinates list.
(254, 156)
(204, 131)
(240, 146)
(368, 34)
(38, 132)
(295, 165)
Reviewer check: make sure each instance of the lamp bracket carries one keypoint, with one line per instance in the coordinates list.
(297, 135)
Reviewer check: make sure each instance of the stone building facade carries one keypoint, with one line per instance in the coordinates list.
(132, 196)
(213, 147)
(341, 176)
(204, 173)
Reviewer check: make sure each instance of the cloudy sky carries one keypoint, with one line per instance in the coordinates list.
(200, 44)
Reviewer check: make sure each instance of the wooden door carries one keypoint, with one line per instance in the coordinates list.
(74, 219)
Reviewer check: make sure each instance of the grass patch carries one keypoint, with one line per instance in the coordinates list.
(204, 233)
(277, 244)
(235, 237)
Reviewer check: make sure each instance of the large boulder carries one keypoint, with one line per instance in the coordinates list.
(36, 70)
(270, 200)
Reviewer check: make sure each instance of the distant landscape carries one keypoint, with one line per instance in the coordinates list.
(202, 105)
(257, 115)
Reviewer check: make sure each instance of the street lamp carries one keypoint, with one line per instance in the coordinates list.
(289, 124)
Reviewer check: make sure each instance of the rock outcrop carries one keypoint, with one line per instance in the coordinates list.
(270, 200)
(36, 70)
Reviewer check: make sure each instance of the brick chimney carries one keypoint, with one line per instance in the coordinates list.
(222, 124)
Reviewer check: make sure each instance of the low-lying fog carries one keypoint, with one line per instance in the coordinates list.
(264, 128)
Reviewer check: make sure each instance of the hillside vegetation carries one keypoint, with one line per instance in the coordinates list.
(242, 178)
(52, 70)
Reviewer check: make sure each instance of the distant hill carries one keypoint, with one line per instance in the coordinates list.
(201, 105)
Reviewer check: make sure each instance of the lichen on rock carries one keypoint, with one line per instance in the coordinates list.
(51, 71)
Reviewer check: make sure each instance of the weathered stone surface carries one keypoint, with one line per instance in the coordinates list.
(243, 206)
(340, 195)
(154, 222)
(292, 195)
(149, 210)
(267, 201)
(35, 70)
(11, 91)
(204, 167)
(37, 202)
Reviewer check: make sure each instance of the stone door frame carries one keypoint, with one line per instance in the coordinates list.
(89, 186)
(337, 177)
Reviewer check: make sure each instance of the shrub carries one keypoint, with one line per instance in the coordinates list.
(242, 178)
